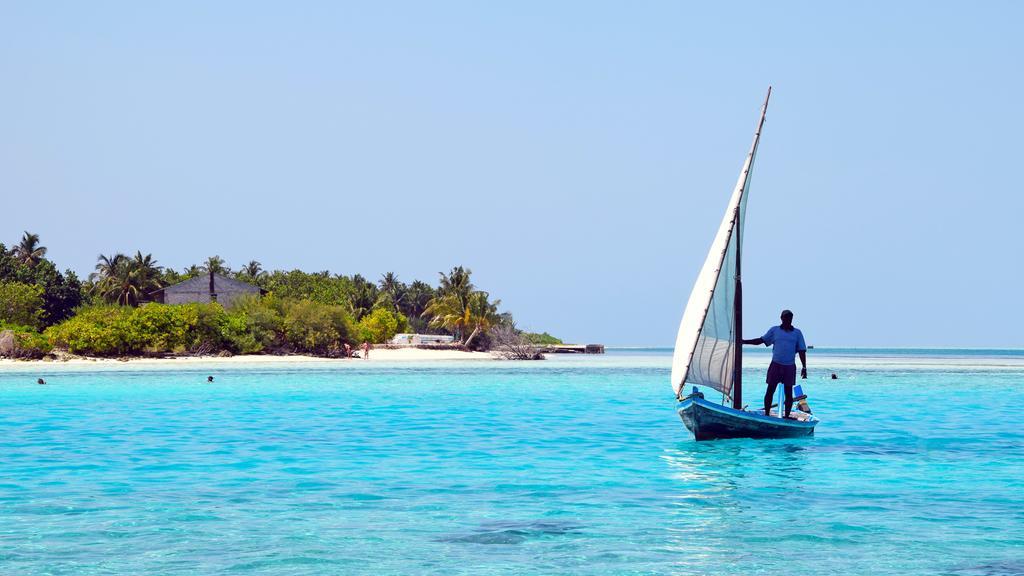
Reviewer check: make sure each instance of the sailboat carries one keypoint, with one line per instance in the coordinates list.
(709, 348)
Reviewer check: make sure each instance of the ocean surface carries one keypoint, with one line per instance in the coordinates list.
(574, 465)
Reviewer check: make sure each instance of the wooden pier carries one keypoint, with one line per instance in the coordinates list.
(573, 349)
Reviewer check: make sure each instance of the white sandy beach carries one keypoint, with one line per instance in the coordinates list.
(377, 356)
(820, 363)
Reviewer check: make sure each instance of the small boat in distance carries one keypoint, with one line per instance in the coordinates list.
(709, 346)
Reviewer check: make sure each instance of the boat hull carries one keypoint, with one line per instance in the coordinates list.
(711, 421)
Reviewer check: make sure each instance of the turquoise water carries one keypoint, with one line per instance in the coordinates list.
(569, 466)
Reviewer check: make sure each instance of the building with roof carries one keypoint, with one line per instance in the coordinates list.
(206, 288)
(421, 339)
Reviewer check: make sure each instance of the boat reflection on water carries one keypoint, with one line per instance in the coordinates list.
(726, 463)
(718, 489)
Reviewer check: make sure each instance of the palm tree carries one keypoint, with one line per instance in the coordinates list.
(123, 280)
(447, 312)
(477, 316)
(393, 288)
(110, 276)
(363, 297)
(216, 265)
(122, 288)
(147, 273)
(481, 314)
(417, 298)
(105, 267)
(458, 307)
(28, 251)
(252, 270)
(457, 282)
(170, 276)
(191, 272)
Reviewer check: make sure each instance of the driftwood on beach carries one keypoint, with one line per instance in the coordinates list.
(509, 343)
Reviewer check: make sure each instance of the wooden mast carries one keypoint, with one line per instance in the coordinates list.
(737, 375)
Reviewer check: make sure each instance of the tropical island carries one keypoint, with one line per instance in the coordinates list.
(119, 311)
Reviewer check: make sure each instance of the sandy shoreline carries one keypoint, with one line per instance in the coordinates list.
(377, 355)
(821, 363)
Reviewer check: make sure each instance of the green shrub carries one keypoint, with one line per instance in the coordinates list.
(381, 325)
(61, 293)
(161, 327)
(32, 344)
(21, 304)
(27, 343)
(207, 336)
(251, 326)
(541, 339)
(238, 336)
(95, 330)
(263, 322)
(316, 328)
(319, 287)
(110, 330)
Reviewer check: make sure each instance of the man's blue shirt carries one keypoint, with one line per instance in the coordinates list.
(784, 344)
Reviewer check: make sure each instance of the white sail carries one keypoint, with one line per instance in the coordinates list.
(705, 352)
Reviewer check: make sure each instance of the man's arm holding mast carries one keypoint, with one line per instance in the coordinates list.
(803, 364)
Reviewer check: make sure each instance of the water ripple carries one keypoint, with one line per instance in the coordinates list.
(571, 469)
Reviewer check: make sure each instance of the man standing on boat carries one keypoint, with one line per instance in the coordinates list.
(786, 341)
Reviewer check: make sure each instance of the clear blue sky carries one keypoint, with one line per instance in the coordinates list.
(576, 155)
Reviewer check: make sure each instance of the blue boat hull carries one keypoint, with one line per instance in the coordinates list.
(711, 421)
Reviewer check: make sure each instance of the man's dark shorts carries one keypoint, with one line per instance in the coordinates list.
(779, 373)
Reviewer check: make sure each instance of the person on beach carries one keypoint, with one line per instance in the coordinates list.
(366, 350)
(348, 350)
(786, 341)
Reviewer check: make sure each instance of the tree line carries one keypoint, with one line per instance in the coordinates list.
(113, 312)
